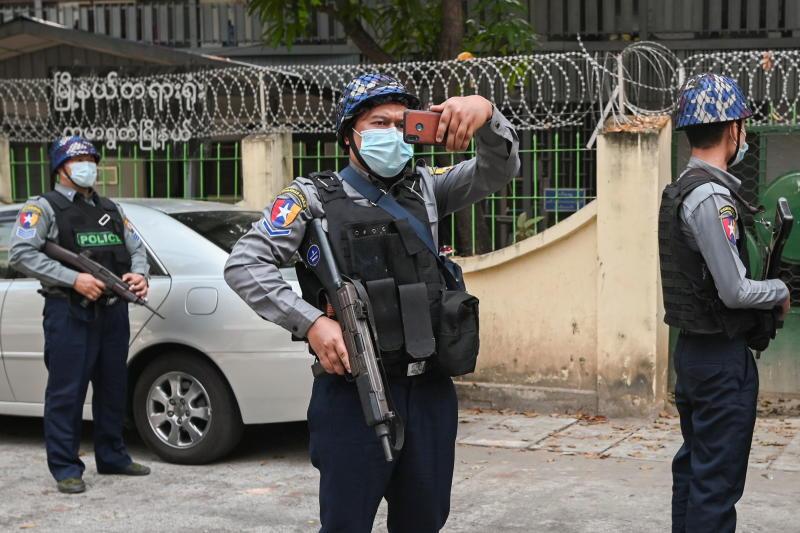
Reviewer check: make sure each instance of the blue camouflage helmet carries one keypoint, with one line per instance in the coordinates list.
(65, 148)
(369, 90)
(710, 98)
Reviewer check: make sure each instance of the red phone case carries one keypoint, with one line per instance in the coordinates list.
(419, 127)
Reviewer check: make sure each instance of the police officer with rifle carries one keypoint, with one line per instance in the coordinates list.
(86, 326)
(386, 316)
(721, 311)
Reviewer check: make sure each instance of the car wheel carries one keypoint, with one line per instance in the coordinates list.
(184, 410)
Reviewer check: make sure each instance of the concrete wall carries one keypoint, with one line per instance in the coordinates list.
(539, 313)
(572, 318)
(633, 167)
(266, 168)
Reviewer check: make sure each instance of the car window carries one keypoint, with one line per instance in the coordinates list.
(6, 226)
(223, 228)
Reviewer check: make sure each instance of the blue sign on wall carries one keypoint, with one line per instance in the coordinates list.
(564, 200)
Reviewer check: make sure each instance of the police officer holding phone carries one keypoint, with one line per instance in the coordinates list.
(86, 333)
(404, 285)
(710, 297)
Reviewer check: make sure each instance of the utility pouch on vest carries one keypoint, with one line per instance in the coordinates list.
(764, 331)
(385, 310)
(416, 315)
(459, 340)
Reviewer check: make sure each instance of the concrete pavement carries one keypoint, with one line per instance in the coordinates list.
(514, 473)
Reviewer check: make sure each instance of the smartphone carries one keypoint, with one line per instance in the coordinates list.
(419, 127)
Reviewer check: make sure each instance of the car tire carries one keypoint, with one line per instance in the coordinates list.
(204, 423)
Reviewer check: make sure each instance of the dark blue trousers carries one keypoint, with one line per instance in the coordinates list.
(716, 395)
(82, 346)
(354, 475)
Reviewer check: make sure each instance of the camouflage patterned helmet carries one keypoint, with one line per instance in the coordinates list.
(369, 90)
(708, 99)
(65, 148)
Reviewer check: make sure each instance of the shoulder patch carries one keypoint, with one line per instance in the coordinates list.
(727, 216)
(296, 194)
(29, 216)
(26, 234)
(128, 226)
(271, 230)
(437, 171)
(289, 203)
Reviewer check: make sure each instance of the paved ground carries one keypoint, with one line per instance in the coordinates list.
(514, 473)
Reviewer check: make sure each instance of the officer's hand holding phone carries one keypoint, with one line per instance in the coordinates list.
(325, 338)
(89, 286)
(461, 118)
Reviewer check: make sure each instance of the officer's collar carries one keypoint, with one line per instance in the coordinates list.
(70, 194)
(384, 185)
(728, 179)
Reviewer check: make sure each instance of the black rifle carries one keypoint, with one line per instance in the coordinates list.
(780, 234)
(82, 262)
(351, 305)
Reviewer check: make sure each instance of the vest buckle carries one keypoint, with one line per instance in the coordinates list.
(104, 219)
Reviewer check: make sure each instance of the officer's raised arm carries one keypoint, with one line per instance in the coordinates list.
(713, 225)
(253, 268)
(496, 161)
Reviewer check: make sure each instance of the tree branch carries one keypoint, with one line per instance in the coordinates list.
(357, 33)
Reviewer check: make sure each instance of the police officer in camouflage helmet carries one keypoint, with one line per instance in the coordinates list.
(388, 257)
(710, 297)
(86, 332)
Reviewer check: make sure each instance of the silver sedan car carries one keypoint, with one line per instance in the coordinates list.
(197, 376)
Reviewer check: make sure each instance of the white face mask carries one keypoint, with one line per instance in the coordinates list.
(83, 173)
(384, 151)
(740, 154)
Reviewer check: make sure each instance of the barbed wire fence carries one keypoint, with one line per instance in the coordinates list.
(536, 92)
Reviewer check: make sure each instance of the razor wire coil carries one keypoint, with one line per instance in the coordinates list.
(535, 92)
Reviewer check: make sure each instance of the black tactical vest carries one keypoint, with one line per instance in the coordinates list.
(97, 229)
(400, 274)
(691, 300)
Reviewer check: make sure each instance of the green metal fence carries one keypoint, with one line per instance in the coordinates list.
(205, 171)
(557, 177)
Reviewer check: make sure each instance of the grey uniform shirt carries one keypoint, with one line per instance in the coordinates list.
(25, 252)
(253, 267)
(702, 214)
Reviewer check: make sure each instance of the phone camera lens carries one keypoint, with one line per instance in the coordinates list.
(420, 126)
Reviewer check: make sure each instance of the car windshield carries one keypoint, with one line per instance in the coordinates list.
(223, 228)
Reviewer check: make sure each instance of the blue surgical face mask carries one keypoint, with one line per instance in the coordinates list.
(83, 173)
(384, 151)
(740, 154)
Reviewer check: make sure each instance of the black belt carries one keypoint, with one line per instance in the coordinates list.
(105, 300)
(409, 370)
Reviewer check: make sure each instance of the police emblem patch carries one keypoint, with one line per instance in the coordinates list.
(29, 216)
(285, 210)
(727, 215)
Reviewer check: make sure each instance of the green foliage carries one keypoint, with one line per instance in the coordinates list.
(499, 27)
(527, 227)
(404, 29)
